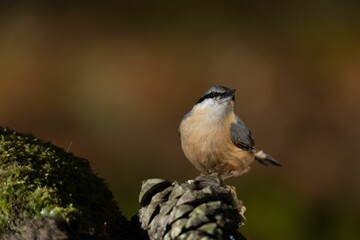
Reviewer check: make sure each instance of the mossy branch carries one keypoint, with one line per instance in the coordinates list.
(49, 190)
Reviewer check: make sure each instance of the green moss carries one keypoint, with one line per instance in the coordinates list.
(39, 180)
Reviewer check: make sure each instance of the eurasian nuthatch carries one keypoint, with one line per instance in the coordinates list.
(215, 140)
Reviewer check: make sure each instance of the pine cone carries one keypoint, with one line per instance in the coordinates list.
(204, 208)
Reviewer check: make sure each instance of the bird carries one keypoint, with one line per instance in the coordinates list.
(215, 140)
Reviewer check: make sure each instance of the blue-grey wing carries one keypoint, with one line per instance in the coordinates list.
(241, 135)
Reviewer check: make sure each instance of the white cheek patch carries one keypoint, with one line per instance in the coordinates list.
(214, 107)
(207, 103)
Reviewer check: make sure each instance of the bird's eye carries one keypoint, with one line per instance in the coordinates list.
(207, 96)
(214, 94)
(223, 94)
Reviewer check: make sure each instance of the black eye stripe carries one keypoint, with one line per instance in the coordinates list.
(210, 95)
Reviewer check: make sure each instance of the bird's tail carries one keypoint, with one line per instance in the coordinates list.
(265, 159)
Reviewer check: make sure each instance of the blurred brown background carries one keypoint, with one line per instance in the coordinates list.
(111, 81)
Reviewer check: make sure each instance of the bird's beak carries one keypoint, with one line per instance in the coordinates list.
(229, 95)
